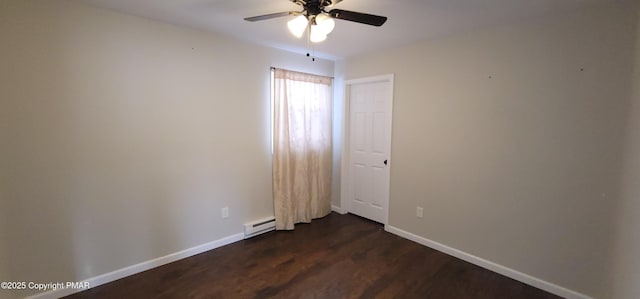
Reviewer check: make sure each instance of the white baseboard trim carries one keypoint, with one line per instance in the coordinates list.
(144, 266)
(522, 277)
(338, 209)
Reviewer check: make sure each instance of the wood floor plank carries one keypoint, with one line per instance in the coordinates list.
(339, 256)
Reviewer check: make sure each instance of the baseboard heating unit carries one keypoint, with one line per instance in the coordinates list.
(259, 227)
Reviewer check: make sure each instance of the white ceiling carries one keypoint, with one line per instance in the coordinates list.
(409, 20)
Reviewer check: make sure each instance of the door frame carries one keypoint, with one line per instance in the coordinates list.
(345, 170)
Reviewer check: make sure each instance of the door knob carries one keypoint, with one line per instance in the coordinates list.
(385, 162)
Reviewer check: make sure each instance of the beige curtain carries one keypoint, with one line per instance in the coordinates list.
(301, 147)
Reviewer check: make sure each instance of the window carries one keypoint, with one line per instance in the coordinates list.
(302, 149)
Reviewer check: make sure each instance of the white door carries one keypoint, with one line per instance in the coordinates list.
(369, 137)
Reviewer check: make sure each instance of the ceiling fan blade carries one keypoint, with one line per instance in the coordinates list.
(357, 17)
(271, 16)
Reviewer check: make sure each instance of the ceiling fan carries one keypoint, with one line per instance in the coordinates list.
(314, 15)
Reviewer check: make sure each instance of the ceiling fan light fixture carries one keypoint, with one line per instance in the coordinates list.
(325, 23)
(298, 25)
(317, 34)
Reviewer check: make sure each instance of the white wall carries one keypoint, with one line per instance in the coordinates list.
(4, 212)
(338, 119)
(4, 136)
(126, 137)
(625, 256)
(4, 255)
(510, 139)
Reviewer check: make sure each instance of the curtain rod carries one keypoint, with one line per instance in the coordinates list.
(274, 68)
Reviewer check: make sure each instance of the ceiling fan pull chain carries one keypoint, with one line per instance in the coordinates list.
(309, 47)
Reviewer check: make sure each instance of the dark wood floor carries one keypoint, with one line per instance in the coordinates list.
(339, 256)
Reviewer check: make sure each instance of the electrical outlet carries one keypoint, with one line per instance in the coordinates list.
(225, 212)
(419, 212)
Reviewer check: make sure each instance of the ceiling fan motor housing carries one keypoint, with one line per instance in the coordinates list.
(314, 7)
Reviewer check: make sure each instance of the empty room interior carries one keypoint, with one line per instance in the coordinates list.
(139, 134)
